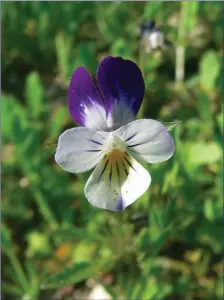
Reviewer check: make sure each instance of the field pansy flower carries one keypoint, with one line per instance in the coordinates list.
(110, 139)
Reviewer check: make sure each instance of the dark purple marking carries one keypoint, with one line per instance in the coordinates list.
(92, 150)
(134, 145)
(130, 164)
(126, 171)
(118, 172)
(131, 137)
(103, 170)
(96, 142)
(110, 176)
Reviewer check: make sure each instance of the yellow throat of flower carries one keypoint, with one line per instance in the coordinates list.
(116, 155)
(114, 149)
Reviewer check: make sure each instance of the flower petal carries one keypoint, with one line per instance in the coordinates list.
(79, 149)
(123, 89)
(84, 101)
(148, 140)
(114, 186)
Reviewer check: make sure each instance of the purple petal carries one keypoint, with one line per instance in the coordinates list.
(121, 81)
(85, 102)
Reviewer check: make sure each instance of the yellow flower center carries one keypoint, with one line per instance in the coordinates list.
(114, 148)
(116, 155)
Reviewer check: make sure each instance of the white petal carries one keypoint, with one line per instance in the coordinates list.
(79, 149)
(114, 186)
(148, 140)
(95, 116)
(120, 115)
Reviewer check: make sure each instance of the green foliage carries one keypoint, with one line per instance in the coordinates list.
(209, 70)
(72, 275)
(34, 96)
(167, 245)
(191, 14)
(6, 239)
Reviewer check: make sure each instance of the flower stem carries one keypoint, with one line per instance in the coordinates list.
(142, 68)
(180, 48)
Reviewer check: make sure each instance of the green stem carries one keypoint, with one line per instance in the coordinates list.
(18, 270)
(180, 49)
(44, 207)
(142, 68)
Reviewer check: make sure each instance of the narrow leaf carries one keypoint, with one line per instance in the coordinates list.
(34, 95)
(6, 239)
(73, 275)
(209, 70)
(171, 125)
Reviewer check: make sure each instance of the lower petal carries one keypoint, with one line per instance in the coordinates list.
(116, 185)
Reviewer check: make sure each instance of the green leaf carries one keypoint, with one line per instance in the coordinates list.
(204, 107)
(60, 118)
(6, 239)
(34, 95)
(37, 243)
(74, 234)
(220, 121)
(12, 289)
(204, 153)
(11, 111)
(26, 138)
(159, 242)
(209, 70)
(152, 8)
(210, 233)
(63, 49)
(191, 13)
(162, 292)
(86, 52)
(119, 48)
(73, 275)
(171, 178)
(85, 251)
(212, 209)
(110, 18)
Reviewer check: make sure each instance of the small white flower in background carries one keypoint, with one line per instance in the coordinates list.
(111, 140)
(152, 38)
(99, 293)
(156, 39)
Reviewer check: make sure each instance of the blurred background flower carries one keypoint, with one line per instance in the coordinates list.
(167, 245)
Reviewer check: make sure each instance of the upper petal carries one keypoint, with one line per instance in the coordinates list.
(84, 101)
(79, 149)
(123, 89)
(148, 140)
(115, 186)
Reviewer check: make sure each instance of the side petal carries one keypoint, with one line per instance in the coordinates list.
(84, 101)
(79, 149)
(147, 140)
(114, 186)
(123, 89)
